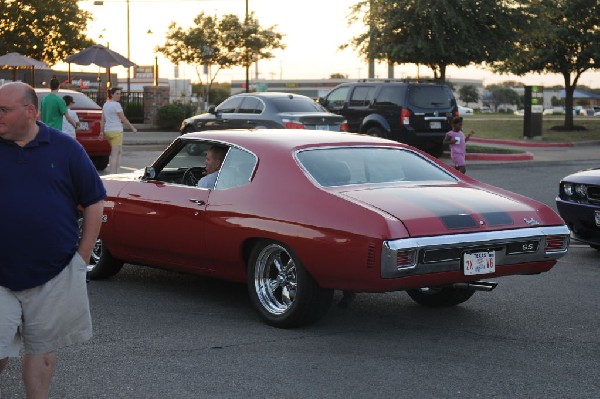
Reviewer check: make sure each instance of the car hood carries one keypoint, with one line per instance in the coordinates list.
(444, 209)
(589, 176)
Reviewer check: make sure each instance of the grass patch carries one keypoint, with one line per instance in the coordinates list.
(481, 149)
(510, 127)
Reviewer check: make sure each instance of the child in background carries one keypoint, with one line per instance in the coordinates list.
(67, 128)
(458, 144)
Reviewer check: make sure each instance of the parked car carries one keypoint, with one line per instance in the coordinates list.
(297, 215)
(464, 110)
(265, 110)
(578, 203)
(415, 113)
(88, 133)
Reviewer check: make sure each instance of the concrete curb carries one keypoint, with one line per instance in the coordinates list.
(474, 156)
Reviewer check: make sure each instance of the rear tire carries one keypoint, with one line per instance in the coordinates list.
(439, 297)
(281, 290)
(376, 131)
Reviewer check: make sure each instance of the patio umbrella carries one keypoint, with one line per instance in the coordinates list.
(16, 61)
(98, 55)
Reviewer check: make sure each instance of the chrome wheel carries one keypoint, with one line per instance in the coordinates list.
(280, 288)
(275, 279)
(96, 253)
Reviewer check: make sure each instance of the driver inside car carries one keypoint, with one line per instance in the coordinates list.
(214, 159)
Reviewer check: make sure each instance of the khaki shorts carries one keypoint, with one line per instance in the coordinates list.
(48, 317)
(114, 138)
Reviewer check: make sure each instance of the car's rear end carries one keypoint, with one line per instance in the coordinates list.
(297, 112)
(425, 116)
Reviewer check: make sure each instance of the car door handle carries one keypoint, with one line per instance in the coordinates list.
(197, 201)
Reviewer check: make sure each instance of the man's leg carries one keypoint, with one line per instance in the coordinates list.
(38, 371)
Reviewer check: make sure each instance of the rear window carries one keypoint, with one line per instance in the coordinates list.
(368, 165)
(430, 96)
(296, 104)
(82, 101)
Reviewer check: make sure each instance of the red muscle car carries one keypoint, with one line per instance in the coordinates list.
(299, 214)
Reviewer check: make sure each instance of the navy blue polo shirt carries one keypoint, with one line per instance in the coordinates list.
(41, 186)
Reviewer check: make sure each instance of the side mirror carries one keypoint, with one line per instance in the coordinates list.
(212, 109)
(322, 101)
(149, 173)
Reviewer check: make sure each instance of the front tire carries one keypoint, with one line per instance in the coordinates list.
(102, 263)
(439, 297)
(281, 290)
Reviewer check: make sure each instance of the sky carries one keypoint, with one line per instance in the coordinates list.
(313, 32)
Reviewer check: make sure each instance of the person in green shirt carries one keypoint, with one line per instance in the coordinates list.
(53, 107)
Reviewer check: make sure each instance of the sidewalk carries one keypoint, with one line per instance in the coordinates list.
(536, 151)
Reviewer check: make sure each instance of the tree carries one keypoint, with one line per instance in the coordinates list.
(558, 36)
(46, 30)
(502, 95)
(436, 33)
(222, 43)
(468, 94)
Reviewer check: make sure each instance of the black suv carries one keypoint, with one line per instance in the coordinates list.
(411, 112)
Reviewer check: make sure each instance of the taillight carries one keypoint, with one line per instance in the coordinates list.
(556, 243)
(344, 127)
(292, 124)
(406, 259)
(405, 116)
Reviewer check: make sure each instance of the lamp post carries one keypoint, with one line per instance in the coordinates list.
(247, 59)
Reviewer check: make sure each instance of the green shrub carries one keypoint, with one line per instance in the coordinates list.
(169, 117)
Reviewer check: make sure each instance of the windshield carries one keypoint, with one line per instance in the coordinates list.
(361, 165)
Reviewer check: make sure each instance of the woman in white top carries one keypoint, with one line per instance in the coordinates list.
(111, 124)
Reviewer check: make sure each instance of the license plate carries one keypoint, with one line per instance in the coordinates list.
(322, 127)
(83, 126)
(597, 217)
(479, 263)
(435, 125)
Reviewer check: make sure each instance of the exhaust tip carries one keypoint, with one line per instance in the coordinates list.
(476, 286)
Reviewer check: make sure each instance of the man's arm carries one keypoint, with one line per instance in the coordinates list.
(92, 220)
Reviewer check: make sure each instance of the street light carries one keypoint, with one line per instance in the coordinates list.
(101, 3)
(247, 60)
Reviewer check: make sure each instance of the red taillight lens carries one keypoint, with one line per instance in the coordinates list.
(344, 127)
(406, 259)
(405, 116)
(556, 243)
(292, 124)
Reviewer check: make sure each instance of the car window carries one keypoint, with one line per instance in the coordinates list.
(390, 96)
(338, 96)
(296, 104)
(230, 105)
(81, 100)
(362, 96)
(365, 165)
(186, 166)
(429, 96)
(251, 105)
(237, 169)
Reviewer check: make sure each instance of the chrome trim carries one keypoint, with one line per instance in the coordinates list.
(470, 241)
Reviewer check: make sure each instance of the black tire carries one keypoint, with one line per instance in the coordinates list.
(281, 290)
(102, 263)
(100, 162)
(440, 297)
(376, 131)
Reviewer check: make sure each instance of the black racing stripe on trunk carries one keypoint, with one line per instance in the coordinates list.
(456, 213)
